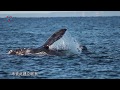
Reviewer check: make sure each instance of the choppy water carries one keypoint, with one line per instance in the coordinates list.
(101, 35)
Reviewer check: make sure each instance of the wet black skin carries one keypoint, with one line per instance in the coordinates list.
(44, 48)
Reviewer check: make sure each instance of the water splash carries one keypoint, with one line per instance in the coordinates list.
(67, 42)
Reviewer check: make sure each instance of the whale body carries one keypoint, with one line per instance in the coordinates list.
(44, 49)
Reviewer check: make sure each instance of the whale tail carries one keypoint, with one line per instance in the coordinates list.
(56, 36)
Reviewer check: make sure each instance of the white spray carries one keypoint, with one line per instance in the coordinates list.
(67, 42)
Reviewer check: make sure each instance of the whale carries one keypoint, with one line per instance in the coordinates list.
(44, 49)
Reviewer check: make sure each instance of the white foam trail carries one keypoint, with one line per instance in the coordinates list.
(67, 42)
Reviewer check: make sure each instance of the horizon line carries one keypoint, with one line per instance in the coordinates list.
(55, 16)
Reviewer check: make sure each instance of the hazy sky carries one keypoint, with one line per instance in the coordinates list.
(58, 13)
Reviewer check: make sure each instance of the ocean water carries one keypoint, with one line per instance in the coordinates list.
(101, 36)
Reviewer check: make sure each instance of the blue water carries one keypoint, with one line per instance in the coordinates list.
(101, 35)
